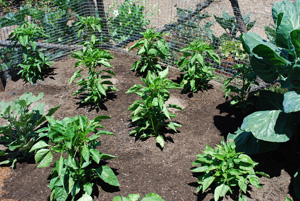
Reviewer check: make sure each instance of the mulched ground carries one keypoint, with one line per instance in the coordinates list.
(141, 166)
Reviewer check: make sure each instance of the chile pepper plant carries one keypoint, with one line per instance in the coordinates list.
(151, 48)
(150, 113)
(135, 197)
(224, 169)
(35, 63)
(197, 71)
(20, 133)
(79, 166)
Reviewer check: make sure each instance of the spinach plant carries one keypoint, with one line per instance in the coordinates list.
(152, 48)
(150, 113)
(126, 20)
(240, 94)
(19, 135)
(135, 197)
(35, 63)
(278, 117)
(79, 165)
(225, 169)
(197, 70)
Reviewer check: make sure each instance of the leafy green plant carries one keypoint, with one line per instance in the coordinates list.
(278, 117)
(197, 70)
(20, 133)
(229, 24)
(135, 197)
(87, 27)
(151, 48)
(150, 113)
(240, 95)
(35, 63)
(126, 20)
(225, 169)
(79, 165)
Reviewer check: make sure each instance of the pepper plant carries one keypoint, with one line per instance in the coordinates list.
(240, 94)
(278, 117)
(197, 70)
(20, 133)
(35, 63)
(79, 164)
(225, 169)
(152, 48)
(135, 197)
(150, 113)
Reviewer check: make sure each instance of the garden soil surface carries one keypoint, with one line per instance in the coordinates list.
(141, 166)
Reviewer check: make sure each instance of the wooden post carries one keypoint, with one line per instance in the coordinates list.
(238, 15)
(1, 86)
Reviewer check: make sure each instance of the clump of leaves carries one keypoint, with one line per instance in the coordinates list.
(79, 165)
(150, 113)
(96, 84)
(197, 70)
(240, 95)
(224, 169)
(20, 133)
(152, 48)
(135, 197)
(87, 26)
(35, 63)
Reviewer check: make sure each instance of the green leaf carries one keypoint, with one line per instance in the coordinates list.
(40, 154)
(107, 175)
(95, 155)
(39, 145)
(242, 184)
(207, 182)
(160, 140)
(295, 39)
(221, 191)
(291, 102)
(60, 193)
(47, 160)
(163, 74)
(152, 197)
(85, 153)
(85, 197)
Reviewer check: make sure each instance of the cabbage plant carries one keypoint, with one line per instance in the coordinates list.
(279, 115)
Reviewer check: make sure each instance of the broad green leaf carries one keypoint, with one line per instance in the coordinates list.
(85, 197)
(291, 102)
(47, 160)
(242, 184)
(295, 39)
(250, 40)
(95, 155)
(163, 74)
(200, 169)
(160, 140)
(107, 156)
(85, 153)
(107, 175)
(207, 182)
(60, 193)
(39, 145)
(221, 191)
(242, 198)
(120, 198)
(152, 197)
(40, 154)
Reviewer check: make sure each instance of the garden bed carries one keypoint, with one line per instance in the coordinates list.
(142, 167)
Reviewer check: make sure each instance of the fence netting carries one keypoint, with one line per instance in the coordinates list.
(181, 21)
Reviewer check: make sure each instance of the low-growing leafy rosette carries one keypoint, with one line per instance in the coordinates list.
(225, 169)
(24, 119)
(151, 112)
(79, 166)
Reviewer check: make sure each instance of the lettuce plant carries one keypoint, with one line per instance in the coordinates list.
(150, 113)
(20, 133)
(35, 63)
(151, 48)
(135, 197)
(224, 169)
(197, 70)
(278, 117)
(79, 165)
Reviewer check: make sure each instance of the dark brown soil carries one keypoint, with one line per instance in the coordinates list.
(141, 166)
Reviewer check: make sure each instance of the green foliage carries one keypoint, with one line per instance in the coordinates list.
(79, 165)
(35, 63)
(240, 96)
(135, 197)
(151, 48)
(232, 48)
(224, 169)
(24, 117)
(197, 70)
(150, 113)
(278, 118)
(229, 24)
(126, 20)
(95, 85)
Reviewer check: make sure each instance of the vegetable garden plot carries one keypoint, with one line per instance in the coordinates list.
(141, 166)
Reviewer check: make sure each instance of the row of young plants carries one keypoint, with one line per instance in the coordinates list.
(79, 166)
(236, 172)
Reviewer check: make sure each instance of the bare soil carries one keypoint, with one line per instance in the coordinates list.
(142, 167)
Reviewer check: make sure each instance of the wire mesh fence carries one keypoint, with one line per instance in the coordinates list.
(181, 21)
